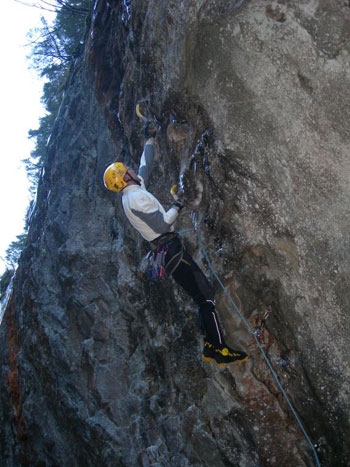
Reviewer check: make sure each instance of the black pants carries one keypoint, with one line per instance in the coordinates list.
(190, 277)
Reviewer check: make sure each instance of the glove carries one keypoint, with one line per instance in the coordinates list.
(178, 204)
(150, 129)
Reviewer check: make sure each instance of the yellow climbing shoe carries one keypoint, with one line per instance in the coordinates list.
(222, 355)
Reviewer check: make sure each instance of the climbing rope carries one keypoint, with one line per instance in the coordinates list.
(251, 331)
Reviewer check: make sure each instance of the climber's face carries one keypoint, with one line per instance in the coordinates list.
(131, 175)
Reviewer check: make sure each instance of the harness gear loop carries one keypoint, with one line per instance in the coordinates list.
(156, 263)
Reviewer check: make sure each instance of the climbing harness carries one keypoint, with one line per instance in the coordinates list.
(256, 338)
(174, 262)
(157, 266)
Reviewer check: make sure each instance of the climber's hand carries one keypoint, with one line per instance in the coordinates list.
(177, 204)
(150, 129)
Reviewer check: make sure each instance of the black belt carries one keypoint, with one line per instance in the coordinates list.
(164, 238)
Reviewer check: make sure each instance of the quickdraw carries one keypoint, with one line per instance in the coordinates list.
(259, 330)
(156, 263)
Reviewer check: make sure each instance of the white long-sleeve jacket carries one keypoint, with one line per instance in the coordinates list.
(143, 210)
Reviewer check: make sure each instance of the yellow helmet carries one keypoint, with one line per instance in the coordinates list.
(113, 177)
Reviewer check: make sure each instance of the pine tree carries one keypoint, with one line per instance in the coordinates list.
(54, 48)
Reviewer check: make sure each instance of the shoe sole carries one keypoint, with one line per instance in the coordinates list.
(210, 359)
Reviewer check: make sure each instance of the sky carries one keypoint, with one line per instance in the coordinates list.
(20, 109)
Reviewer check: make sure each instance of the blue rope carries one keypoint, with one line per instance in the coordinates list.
(249, 328)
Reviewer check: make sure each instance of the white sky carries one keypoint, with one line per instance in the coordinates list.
(20, 109)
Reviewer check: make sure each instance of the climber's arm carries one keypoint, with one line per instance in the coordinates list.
(147, 159)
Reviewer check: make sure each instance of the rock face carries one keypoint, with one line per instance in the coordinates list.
(99, 366)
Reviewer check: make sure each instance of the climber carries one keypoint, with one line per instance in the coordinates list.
(156, 225)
